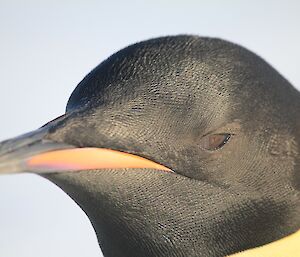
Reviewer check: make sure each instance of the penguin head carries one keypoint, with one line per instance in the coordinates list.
(220, 121)
(205, 108)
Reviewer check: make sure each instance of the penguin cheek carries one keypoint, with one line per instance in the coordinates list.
(222, 165)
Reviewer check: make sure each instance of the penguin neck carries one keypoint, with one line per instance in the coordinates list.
(120, 232)
(139, 214)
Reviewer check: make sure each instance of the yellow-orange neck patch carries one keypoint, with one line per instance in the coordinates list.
(286, 247)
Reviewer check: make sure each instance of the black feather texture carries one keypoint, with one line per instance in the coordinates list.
(158, 99)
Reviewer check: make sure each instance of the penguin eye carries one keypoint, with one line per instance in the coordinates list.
(214, 142)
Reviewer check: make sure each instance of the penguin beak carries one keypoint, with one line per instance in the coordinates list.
(34, 153)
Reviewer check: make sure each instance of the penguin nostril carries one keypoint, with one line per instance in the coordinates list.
(215, 141)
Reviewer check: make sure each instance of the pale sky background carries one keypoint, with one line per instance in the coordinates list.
(46, 47)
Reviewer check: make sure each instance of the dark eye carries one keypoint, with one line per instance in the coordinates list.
(214, 142)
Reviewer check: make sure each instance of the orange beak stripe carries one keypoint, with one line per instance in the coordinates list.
(89, 159)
